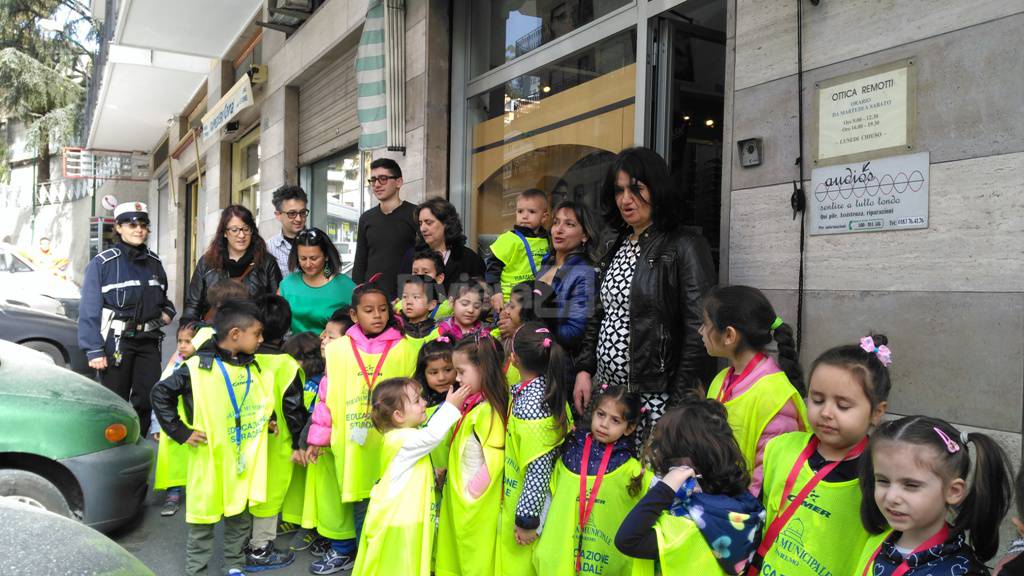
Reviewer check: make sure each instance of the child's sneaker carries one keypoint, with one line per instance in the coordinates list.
(266, 558)
(332, 563)
(287, 528)
(235, 572)
(319, 547)
(302, 540)
(172, 503)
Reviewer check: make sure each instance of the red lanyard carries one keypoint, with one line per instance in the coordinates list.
(786, 512)
(730, 382)
(376, 371)
(903, 568)
(587, 502)
(471, 402)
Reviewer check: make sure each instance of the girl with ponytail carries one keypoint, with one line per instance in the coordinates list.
(763, 396)
(934, 496)
(537, 425)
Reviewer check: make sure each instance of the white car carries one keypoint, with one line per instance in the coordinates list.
(23, 284)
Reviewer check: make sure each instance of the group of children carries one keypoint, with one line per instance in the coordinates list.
(416, 438)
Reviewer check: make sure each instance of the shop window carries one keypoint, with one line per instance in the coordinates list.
(557, 128)
(245, 171)
(504, 30)
(338, 197)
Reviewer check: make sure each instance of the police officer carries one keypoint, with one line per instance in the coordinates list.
(123, 308)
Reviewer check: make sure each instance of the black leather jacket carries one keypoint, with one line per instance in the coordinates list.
(673, 272)
(263, 280)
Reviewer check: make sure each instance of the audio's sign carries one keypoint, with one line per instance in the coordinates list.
(864, 115)
(874, 195)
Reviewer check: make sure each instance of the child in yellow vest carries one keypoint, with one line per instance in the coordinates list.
(401, 512)
(764, 398)
(537, 425)
(700, 518)
(435, 373)
(467, 534)
(811, 491)
(419, 299)
(228, 404)
(284, 453)
(516, 255)
(580, 525)
(171, 457)
(371, 350)
(220, 292)
(431, 264)
(304, 347)
(926, 516)
(527, 303)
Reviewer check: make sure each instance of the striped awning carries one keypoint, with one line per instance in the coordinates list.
(380, 76)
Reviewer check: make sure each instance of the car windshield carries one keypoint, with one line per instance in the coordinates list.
(11, 263)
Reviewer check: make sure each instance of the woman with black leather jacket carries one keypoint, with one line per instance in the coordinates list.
(237, 252)
(643, 333)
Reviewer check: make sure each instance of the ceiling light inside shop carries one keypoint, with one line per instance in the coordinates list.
(686, 118)
(709, 122)
(546, 89)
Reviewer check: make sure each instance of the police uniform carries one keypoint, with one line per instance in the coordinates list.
(124, 295)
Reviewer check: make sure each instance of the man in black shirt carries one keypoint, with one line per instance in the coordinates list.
(385, 231)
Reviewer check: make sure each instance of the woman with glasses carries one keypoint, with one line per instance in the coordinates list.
(315, 288)
(123, 308)
(236, 252)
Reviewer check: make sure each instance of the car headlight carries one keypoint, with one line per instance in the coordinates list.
(116, 432)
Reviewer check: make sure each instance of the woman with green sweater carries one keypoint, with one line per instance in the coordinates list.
(316, 287)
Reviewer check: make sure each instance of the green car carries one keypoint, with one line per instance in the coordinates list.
(68, 444)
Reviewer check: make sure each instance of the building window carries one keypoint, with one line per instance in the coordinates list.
(245, 171)
(556, 128)
(338, 197)
(504, 30)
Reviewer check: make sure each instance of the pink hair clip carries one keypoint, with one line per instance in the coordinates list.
(882, 352)
(546, 343)
(537, 292)
(604, 386)
(951, 446)
(643, 409)
(444, 339)
(542, 331)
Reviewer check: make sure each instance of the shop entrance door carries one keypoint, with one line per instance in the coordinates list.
(686, 89)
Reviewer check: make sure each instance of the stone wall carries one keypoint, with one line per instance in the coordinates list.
(951, 297)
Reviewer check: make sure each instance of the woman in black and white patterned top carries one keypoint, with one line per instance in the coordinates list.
(644, 331)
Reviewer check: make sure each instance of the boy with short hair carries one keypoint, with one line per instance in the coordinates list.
(337, 325)
(516, 255)
(419, 302)
(283, 453)
(431, 264)
(228, 403)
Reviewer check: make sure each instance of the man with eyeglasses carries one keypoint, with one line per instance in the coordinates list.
(123, 308)
(290, 210)
(387, 231)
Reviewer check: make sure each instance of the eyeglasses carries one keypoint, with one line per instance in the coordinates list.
(236, 231)
(383, 179)
(133, 224)
(294, 214)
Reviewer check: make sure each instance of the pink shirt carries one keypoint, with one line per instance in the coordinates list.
(787, 420)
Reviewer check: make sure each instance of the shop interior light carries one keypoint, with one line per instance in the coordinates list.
(686, 118)
(546, 89)
(709, 122)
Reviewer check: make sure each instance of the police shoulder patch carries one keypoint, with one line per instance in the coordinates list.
(109, 254)
(153, 255)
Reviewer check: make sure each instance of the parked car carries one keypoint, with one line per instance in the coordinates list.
(23, 282)
(68, 444)
(53, 335)
(47, 543)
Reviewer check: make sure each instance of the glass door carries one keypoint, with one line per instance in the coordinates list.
(337, 199)
(687, 96)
